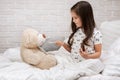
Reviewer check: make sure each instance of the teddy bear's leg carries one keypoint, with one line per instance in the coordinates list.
(47, 62)
(30, 57)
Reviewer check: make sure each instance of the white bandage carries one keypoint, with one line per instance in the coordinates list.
(41, 39)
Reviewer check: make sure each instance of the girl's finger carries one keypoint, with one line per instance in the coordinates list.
(81, 50)
(81, 53)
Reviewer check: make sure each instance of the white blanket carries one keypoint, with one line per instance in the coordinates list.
(65, 70)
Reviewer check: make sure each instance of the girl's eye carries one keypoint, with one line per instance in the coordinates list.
(75, 18)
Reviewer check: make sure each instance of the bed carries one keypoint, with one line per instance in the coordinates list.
(13, 68)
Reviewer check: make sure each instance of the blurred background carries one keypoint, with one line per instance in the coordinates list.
(51, 17)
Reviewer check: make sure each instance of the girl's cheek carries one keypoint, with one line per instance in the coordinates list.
(80, 23)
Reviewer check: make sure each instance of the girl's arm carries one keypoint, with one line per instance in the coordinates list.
(66, 46)
(95, 55)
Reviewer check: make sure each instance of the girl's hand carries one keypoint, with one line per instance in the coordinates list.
(59, 43)
(84, 54)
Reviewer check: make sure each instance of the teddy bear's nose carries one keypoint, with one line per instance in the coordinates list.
(44, 36)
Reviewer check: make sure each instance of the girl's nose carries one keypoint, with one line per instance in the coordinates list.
(73, 20)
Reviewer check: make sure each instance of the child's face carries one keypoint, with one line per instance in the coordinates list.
(76, 19)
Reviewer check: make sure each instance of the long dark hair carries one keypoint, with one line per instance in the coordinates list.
(84, 10)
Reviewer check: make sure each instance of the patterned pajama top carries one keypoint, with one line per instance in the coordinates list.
(77, 40)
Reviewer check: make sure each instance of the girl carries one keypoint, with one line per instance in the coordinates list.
(85, 42)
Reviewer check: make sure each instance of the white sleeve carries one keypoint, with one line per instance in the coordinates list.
(98, 37)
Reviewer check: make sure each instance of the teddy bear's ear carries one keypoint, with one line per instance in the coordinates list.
(29, 38)
(25, 38)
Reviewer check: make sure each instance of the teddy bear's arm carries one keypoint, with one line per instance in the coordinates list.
(31, 58)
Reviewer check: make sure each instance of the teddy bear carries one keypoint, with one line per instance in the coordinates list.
(32, 54)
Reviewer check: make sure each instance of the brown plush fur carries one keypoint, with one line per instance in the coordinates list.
(31, 54)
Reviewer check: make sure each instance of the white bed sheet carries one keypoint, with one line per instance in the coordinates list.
(22, 71)
(63, 71)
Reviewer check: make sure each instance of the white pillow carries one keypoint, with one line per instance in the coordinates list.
(13, 54)
(4, 59)
(112, 63)
(115, 47)
(4, 62)
(110, 31)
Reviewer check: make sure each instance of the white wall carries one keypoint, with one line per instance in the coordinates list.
(51, 17)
